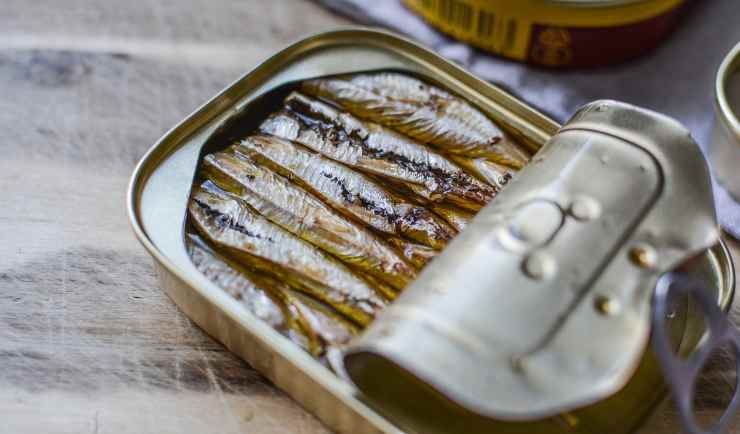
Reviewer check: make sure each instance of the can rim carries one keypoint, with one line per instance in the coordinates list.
(728, 297)
(729, 66)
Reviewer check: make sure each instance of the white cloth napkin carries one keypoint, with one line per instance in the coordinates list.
(676, 79)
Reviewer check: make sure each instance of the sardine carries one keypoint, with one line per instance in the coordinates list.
(389, 293)
(309, 323)
(375, 149)
(349, 192)
(231, 224)
(261, 295)
(304, 215)
(456, 217)
(495, 174)
(323, 326)
(424, 112)
(416, 254)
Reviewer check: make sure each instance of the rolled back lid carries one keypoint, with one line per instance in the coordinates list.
(542, 304)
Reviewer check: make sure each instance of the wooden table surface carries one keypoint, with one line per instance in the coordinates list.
(88, 342)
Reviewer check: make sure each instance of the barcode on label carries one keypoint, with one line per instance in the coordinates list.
(456, 13)
(467, 20)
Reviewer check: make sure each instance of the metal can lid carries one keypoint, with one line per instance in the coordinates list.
(542, 304)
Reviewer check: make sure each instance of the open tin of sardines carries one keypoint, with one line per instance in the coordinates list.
(402, 247)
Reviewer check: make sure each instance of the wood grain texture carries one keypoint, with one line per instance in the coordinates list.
(88, 342)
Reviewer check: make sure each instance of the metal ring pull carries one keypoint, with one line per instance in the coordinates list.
(682, 375)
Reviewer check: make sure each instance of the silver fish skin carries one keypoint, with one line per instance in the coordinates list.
(303, 214)
(325, 327)
(260, 295)
(347, 191)
(494, 174)
(424, 112)
(456, 217)
(417, 254)
(256, 299)
(309, 323)
(231, 224)
(373, 148)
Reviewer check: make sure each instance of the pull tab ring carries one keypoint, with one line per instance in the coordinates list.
(682, 375)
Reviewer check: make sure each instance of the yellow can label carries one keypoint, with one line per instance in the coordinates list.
(537, 30)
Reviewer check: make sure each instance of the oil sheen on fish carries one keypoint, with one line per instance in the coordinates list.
(349, 192)
(261, 295)
(456, 217)
(426, 113)
(301, 213)
(493, 173)
(388, 292)
(231, 224)
(309, 323)
(416, 254)
(372, 148)
(323, 326)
